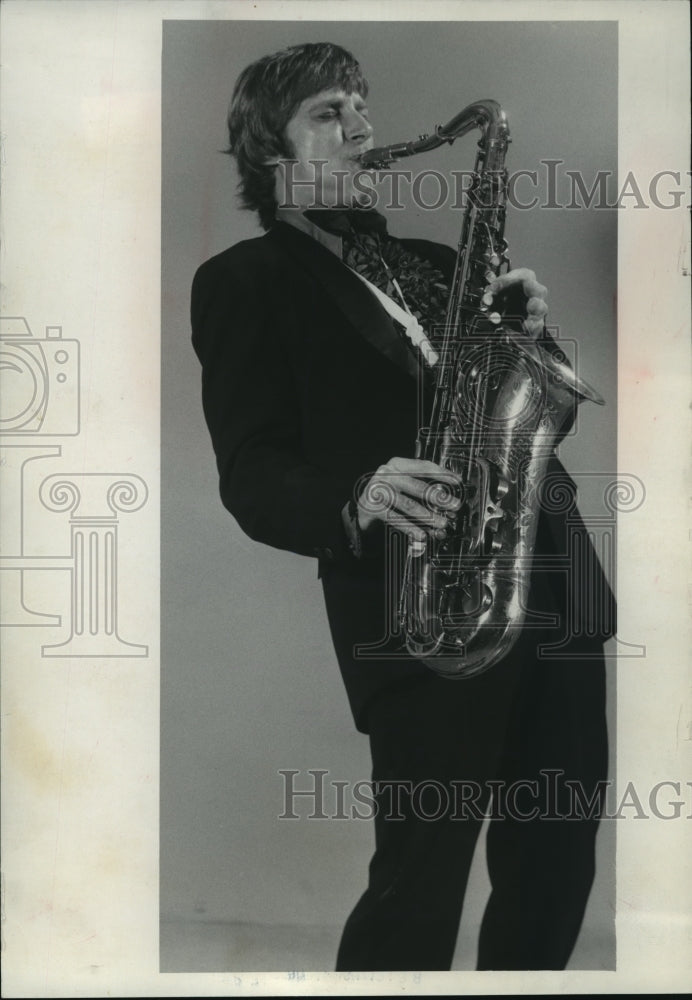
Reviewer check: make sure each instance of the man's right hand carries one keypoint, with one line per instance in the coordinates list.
(418, 497)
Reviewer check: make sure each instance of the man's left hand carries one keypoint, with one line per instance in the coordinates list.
(517, 294)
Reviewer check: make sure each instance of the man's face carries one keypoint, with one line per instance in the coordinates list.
(331, 126)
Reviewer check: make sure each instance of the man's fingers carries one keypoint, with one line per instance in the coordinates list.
(416, 534)
(504, 290)
(402, 500)
(412, 496)
(425, 510)
(534, 289)
(433, 493)
(534, 327)
(536, 307)
(519, 275)
(527, 290)
(419, 467)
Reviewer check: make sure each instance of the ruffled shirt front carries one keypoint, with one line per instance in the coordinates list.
(360, 238)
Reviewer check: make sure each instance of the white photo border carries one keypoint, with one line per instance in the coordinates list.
(81, 234)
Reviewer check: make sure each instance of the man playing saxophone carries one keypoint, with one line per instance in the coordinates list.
(315, 340)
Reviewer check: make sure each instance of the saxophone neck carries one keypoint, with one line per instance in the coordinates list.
(486, 115)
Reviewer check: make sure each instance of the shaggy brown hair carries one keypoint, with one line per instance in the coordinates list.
(265, 98)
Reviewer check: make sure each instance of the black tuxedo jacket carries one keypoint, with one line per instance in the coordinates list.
(308, 387)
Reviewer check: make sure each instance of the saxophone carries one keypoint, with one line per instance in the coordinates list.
(500, 399)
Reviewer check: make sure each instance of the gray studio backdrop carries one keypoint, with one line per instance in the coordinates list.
(250, 684)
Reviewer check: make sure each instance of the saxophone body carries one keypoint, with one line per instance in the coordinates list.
(499, 402)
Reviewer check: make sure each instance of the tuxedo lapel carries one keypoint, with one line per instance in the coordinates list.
(364, 312)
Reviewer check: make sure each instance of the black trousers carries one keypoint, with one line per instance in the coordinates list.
(529, 737)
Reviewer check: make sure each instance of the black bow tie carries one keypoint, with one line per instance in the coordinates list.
(343, 222)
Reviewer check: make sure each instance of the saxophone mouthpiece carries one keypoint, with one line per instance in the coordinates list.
(375, 159)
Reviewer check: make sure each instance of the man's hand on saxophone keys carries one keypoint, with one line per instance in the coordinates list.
(517, 296)
(418, 497)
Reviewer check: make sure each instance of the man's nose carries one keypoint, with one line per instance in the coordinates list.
(357, 127)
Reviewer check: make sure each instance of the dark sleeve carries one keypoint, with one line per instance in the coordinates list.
(252, 410)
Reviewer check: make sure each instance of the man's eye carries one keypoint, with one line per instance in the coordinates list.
(324, 115)
(363, 111)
